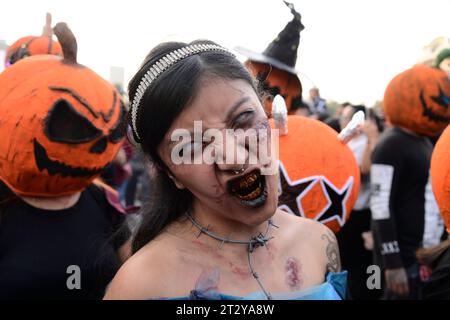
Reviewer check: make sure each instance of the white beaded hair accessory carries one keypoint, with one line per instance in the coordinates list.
(158, 68)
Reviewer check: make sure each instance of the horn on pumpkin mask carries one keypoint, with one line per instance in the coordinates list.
(68, 42)
(280, 114)
(353, 128)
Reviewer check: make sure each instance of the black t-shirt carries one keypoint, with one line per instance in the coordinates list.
(37, 248)
(438, 286)
(399, 175)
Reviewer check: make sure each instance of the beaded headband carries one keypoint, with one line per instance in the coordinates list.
(158, 68)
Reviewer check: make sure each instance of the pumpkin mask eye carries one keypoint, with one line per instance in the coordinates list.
(65, 124)
(20, 53)
(273, 91)
(442, 100)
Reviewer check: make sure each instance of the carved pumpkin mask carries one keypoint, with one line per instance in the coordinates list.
(419, 99)
(276, 81)
(31, 45)
(60, 123)
(319, 176)
(440, 175)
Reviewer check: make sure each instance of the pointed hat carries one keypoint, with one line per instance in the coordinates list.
(282, 51)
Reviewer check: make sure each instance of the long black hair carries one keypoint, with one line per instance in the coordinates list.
(161, 104)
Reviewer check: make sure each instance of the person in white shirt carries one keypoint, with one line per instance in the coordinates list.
(356, 256)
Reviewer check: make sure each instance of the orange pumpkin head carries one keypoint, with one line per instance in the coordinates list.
(60, 123)
(319, 176)
(276, 81)
(31, 45)
(419, 99)
(440, 175)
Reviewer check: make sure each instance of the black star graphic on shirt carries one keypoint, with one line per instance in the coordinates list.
(338, 198)
(291, 191)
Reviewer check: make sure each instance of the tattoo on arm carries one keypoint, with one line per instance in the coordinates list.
(332, 252)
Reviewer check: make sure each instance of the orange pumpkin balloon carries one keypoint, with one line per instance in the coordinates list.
(276, 81)
(60, 123)
(319, 176)
(440, 175)
(31, 45)
(419, 99)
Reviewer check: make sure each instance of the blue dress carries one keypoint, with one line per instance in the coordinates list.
(334, 288)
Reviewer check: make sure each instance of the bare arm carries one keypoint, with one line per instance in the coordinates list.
(135, 280)
(371, 131)
(333, 258)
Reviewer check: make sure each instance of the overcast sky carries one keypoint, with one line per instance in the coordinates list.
(350, 49)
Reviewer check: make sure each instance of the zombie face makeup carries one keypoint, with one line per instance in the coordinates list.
(232, 186)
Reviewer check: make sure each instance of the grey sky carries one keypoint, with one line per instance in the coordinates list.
(350, 49)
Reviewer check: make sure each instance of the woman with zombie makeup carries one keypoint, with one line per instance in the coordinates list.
(213, 230)
(61, 235)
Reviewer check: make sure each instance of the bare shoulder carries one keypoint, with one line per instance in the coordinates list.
(139, 277)
(307, 229)
(331, 249)
(315, 235)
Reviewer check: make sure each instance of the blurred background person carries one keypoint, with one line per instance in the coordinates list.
(334, 121)
(404, 212)
(355, 256)
(317, 105)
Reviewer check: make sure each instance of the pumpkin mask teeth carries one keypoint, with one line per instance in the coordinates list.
(54, 167)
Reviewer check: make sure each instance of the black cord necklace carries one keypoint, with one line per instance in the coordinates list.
(257, 241)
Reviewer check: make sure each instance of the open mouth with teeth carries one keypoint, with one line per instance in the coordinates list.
(249, 189)
(55, 167)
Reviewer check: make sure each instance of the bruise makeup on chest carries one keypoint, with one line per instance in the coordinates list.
(293, 273)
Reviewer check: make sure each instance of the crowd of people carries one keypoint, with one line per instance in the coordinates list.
(95, 204)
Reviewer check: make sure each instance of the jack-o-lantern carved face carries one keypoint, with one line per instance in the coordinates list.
(60, 122)
(419, 99)
(31, 45)
(440, 175)
(276, 81)
(319, 176)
